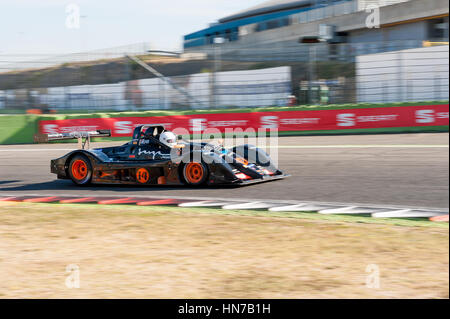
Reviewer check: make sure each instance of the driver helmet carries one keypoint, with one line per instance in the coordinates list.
(168, 138)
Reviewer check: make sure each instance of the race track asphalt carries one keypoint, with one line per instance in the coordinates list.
(398, 169)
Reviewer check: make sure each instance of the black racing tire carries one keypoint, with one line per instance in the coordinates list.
(195, 174)
(80, 170)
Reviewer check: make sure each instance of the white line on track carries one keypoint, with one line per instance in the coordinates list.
(279, 147)
(39, 150)
(360, 146)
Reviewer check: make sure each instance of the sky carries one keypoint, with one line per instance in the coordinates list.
(49, 26)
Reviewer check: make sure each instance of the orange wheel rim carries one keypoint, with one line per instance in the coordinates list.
(142, 175)
(79, 169)
(194, 172)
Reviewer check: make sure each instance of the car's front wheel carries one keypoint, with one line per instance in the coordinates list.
(195, 174)
(80, 170)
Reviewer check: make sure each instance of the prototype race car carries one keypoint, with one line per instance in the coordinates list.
(156, 156)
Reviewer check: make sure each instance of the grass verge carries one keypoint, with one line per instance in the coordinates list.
(408, 222)
(166, 252)
(112, 113)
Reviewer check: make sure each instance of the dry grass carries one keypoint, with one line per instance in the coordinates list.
(131, 252)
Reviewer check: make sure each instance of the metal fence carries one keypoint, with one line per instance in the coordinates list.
(410, 75)
(16, 62)
(305, 74)
(247, 88)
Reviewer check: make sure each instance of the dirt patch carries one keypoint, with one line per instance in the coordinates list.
(128, 252)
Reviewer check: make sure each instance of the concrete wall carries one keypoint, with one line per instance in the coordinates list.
(401, 76)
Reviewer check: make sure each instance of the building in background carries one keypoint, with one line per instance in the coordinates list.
(403, 24)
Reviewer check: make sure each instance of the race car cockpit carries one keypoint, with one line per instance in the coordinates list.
(155, 138)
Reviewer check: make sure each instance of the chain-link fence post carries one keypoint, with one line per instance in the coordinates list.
(311, 71)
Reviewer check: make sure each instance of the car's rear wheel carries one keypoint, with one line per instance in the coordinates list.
(195, 174)
(80, 170)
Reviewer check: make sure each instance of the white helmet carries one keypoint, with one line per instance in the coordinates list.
(168, 138)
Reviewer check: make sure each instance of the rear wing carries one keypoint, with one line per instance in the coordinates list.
(84, 138)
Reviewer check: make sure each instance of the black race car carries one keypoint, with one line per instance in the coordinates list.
(147, 161)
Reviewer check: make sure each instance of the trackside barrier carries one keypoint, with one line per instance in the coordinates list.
(340, 119)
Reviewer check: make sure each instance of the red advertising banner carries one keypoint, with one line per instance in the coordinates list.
(383, 117)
